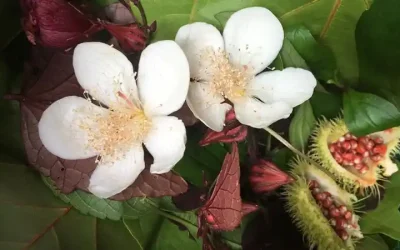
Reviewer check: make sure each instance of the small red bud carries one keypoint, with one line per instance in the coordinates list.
(210, 218)
(131, 37)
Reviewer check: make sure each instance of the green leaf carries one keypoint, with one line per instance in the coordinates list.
(372, 242)
(378, 50)
(386, 218)
(87, 203)
(301, 126)
(318, 57)
(326, 104)
(367, 113)
(332, 22)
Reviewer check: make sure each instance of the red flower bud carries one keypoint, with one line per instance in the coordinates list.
(266, 176)
(131, 37)
(232, 132)
(55, 23)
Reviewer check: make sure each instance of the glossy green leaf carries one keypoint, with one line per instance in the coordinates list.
(318, 57)
(367, 113)
(386, 218)
(332, 22)
(378, 50)
(372, 242)
(326, 104)
(301, 126)
(87, 203)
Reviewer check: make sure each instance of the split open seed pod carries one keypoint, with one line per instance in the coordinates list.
(355, 162)
(321, 209)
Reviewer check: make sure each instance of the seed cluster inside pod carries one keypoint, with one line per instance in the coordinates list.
(355, 153)
(340, 217)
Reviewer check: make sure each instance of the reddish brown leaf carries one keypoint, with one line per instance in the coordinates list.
(49, 78)
(55, 23)
(223, 211)
(266, 176)
(233, 132)
(248, 208)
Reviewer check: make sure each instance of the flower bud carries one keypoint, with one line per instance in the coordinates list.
(266, 176)
(55, 23)
(232, 132)
(131, 37)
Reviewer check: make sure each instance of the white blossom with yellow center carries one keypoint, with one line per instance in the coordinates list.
(228, 66)
(129, 116)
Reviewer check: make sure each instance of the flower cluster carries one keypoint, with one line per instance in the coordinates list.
(219, 77)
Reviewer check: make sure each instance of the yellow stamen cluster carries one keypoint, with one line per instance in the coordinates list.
(226, 79)
(113, 133)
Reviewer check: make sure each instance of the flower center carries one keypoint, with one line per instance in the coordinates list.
(113, 133)
(226, 79)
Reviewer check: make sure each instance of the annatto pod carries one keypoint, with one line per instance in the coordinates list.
(321, 209)
(355, 162)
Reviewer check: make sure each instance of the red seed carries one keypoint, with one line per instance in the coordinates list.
(376, 157)
(360, 149)
(338, 158)
(342, 139)
(342, 209)
(327, 203)
(346, 145)
(370, 145)
(327, 194)
(341, 223)
(320, 196)
(366, 154)
(357, 159)
(347, 136)
(378, 140)
(359, 166)
(348, 156)
(363, 140)
(364, 169)
(334, 212)
(332, 147)
(343, 234)
(354, 144)
(348, 215)
(313, 184)
(380, 149)
(315, 191)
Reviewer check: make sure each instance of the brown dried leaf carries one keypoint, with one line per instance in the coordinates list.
(49, 78)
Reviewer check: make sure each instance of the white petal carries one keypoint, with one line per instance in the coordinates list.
(253, 37)
(103, 71)
(256, 114)
(166, 143)
(196, 40)
(163, 78)
(59, 128)
(291, 85)
(207, 106)
(109, 179)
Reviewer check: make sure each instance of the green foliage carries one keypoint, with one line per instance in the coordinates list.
(372, 242)
(386, 218)
(378, 50)
(301, 126)
(367, 113)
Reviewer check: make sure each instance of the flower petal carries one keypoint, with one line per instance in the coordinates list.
(207, 106)
(291, 85)
(166, 143)
(59, 128)
(256, 114)
(103, 71)
(196, 40)
(253, 37)
(163, 78)
(111, 178)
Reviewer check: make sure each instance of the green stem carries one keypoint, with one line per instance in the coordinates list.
(289, 146)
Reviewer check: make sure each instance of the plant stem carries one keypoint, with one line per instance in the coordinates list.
(288, 145)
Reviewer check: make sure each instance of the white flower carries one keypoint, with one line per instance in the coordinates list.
(227, 67)
(75, 128)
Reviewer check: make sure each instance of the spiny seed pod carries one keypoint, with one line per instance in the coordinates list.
(355, 162)
(324, 227)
